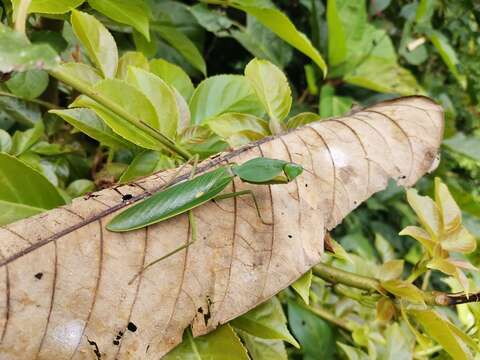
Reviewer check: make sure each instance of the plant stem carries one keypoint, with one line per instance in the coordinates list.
(326, 315)
(435, 298)
(421, 354)
(83, 88)
(45, 104)
(426, 279)
(334, 275)
(22, 14)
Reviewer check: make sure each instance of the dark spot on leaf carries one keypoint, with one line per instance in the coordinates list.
(306, 185)
(5, 76)
(132, 327)
(90, 196)
(290, 236)
(96, 350)
(39, 275)
(127, 197)
(304, 323)
(200, 310)
(116, 342)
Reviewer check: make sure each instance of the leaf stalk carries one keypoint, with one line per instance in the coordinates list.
(84, 88)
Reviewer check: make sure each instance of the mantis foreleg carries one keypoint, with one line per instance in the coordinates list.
(191, 219)
(244, 192)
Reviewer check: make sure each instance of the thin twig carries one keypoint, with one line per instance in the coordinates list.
(45, 104)
(436, 298)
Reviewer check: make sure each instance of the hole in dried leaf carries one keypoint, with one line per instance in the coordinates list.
(127, 197)
(116, 342)
(290, 236)
(39, 275)
(96, 350)
(132, 327)
(200, 310)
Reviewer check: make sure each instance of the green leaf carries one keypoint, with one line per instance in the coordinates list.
(89, 123)
(425, 10)
(174, 76)
(80, 187)
(399, 344)
(313, 333)
(213, 21)
(98, 42)
(5, 141)
(129, 12)
(427, 212)
(238, 129)
(182, 44)
(337, 40)
(29, 84)
(346, 23)
(81, 71)
(302, 119)
(450, 212)
(131, 58)
(266, 13)
(172, 201)
(390, 270)
(15, 110)
(382, 76)
(364, 54)
(199, 139)
(49, 37)
(404, 290)
(138, 105)
(24, 191)
(146, 163)
(422, 236)
(221, 94)
(449, 56)
(266, 321)
(302, 286)
(160, 95)
(262, 349)
(271, 87)
(51, 6)
(465, 145)
(352, 353)
(384, 248)
(443, 332)
(17, 54)
(24, 140)
(331, 105)
(221, 344)
(262, 43)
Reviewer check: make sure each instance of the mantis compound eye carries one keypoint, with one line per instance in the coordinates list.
(292, 170)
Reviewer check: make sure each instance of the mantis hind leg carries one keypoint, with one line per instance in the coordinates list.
(190, 240)
(241, 193)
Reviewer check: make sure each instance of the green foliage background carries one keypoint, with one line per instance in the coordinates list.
(373, 50)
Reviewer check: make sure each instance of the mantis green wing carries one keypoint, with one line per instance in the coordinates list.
(173, 201)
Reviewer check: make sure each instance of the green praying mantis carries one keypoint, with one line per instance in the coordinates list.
(187, 195)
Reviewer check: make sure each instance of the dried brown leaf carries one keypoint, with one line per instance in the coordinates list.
(64, 279)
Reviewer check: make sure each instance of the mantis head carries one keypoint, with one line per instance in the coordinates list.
(292, 170)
